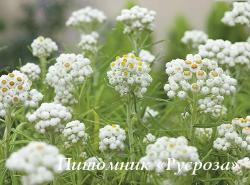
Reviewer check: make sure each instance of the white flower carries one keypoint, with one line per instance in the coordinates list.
(33, 71)
(49, 116)
(129, 74)
(235, 135)
(34, 98)
(85, 17)
(38, 161)
(69, 71)
(111, 137)
(146, 56)
(149, 113)
(88, 43)
(241, 166)
(137, 19)
(159, 153)
(15, 89)
(238, 15)
(43, 47)
(202, 77)
(74, 132)
(149, 138)
(194, 38)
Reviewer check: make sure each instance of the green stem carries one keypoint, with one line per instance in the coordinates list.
(43, 65)
(130, 127)
(6, 137)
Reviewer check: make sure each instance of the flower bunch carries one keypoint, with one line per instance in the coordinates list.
(32, 70)
(38, 161)
(146, 56)
(14, 89)
(129, 74)
(198, 76)
(43, 47)
(86, 17)
(236, 134)
(88, 43)
(158, 154)
(226, 53)
(204, 132)
(240, 14)
(33, 99)
(69, 71)
(194, 38)
(112, 137)
(149, 138)
(137, 19)
(242, 165)
(49, 116)
(74, 132)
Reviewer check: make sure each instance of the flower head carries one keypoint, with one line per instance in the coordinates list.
(194, 38)
(111, 137)
(43, 47)
(38, 161)
(129, 74)
(137, 19)
(146, 56)
(33, 71)
(88, 43)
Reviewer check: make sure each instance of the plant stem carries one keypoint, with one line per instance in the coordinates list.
(6, 137)
(43, 65)
(130, 127)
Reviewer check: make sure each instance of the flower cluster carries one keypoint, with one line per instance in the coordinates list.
(240, 14)
(236, 134)
(38, 161)
(69, 71)
(242, 165)
(88, 43)
(149, 112)
(33, 99)
(137, 19)
(111, 137)
(212, 105)
(43, 47)
(14, 89)
(31, 70)
(194, 38)
(146, 56)
(86, 17)
(198, 76)
(226, 53)
(129, 74)
(49, 116)
(157, 154)
(74, 132)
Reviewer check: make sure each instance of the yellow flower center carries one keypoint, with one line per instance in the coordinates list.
(194, 66)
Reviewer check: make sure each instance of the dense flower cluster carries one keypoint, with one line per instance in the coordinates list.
(242, 165)
(74, 132)
(157, 154)
(15, 88)
(226, 53)
(86, 17)
(43, 47)
(240, 14)
(198, 76)
(31, 70)
(112, 137)
(49, 116)
(129, 74)
(149, 112)
(33, 99)
(137, 19)
(38, 161)
(88, 43)
(236, 134)
(146, 56)
(194, 38)
(69, 71)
